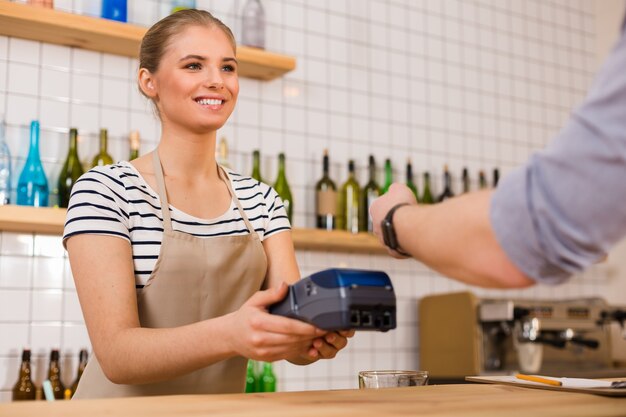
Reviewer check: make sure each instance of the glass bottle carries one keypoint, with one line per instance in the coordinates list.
(5, 167)
(326, 198)
(222, 153)
(54, 375)
(135, 142)
(466, 181)
(71, 171)
(427, 196)
(482, 180)
(114, 10)
(282, 187)
(388, 177)
(251, 377)
(256, 165)
(32, 186)
(102, 158)
(178, 5)
(409, 179)
(253, 24)
(496, 177)
(348, 204)
(370, 192)
(447, 185)
(24, 389)
(83, 357)
(268, 378)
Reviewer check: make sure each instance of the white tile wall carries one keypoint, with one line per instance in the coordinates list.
(468, 83)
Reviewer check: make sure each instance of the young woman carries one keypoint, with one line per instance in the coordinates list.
(173, 298)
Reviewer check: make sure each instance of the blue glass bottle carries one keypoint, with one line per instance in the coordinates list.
(114, 10)
(5, 168)
(32, 186)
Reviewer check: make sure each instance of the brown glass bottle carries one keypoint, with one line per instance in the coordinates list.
(54, 375)
(82, 363)
(24, 389)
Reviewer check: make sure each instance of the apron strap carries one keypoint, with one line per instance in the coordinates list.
(165, 205)
(224, 175)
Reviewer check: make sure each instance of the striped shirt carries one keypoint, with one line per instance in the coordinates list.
(115, 200)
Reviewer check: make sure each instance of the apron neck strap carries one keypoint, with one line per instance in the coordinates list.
(224, 175)
(165, 205)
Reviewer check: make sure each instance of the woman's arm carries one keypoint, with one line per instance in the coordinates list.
(129, 354)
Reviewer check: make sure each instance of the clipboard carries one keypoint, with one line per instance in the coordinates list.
(512, 380)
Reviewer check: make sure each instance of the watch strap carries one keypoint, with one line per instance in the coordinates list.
(389, 233)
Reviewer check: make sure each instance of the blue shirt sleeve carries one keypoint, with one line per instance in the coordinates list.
(566, 207)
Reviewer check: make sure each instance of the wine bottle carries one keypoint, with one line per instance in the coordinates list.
(482, 180)
(427, 196)
(348, 213)
(253, 24)
(24, 389)
(282, 187)
(256, 165)
(447, 185)
(466, 181)
(134, 140)
(222, 153)
(5, 167)
(326, 198)
(102, 158)
(496, 177)
(54, 375)
(114, 10)
(82, 363)
(409, 179)
(388, 176)
(32, 186)
(71, 171)
(178, 5)
(268, 378)
(370, 192)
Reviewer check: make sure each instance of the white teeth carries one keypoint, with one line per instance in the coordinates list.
(209, 101)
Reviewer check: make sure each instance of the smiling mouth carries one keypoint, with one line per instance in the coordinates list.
(209, 102)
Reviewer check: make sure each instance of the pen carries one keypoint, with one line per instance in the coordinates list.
(539, 379)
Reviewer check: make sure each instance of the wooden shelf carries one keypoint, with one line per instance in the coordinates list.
(48, 220)
(102, 35)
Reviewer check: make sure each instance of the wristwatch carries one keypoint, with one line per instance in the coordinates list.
(389, 234)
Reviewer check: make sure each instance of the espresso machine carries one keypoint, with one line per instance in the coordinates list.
(462, 334)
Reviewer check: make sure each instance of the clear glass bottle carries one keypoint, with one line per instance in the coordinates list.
(71, 171)
(5, 166)
(24, 389)
(256, 165)
(32, 186)
(253, 24)
(103, 157)
(222, 153)
(134, 141)
(282, 187)
(325, 198)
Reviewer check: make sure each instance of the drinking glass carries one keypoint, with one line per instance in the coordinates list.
(390, 379)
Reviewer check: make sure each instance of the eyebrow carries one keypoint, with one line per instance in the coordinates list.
(201, 58)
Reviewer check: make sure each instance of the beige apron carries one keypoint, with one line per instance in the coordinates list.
(194, 279)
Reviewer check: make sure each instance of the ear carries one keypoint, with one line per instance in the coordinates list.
(147, 83)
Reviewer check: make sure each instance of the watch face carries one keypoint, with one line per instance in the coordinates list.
(388, 234)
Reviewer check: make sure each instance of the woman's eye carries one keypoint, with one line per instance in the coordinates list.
(194, 66)
(228, 68)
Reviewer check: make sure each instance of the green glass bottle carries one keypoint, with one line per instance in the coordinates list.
(482, 180)
(251, 377)
(54, 375)
(103, 158)
(325, 198)
(427, 196)
(409, 179)
(370, 192)
(466, 181)
(82, 363)
(256, 165)
(134, 145)
(71, 171)
(348, 204)
(496, 177)
(388, 176)
(24, 389)
(447, 185)
(282, 187)
(268, 378)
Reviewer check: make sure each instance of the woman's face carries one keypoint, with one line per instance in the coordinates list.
(196, 85)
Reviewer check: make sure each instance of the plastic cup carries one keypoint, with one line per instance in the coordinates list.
(391, 379)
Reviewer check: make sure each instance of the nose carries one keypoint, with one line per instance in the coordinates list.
(214, 79)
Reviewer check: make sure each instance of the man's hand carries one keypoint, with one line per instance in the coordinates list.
(398, 193)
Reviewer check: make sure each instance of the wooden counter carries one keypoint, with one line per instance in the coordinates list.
(436, 400)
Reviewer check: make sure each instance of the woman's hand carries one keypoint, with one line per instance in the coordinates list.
(255, 334)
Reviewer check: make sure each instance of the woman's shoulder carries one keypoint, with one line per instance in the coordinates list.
(246, 185)
(121, 174)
